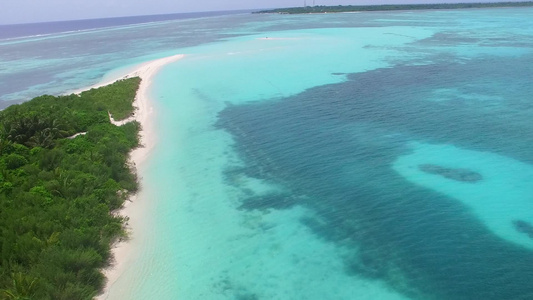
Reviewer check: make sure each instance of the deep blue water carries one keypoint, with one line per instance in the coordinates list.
(46, 28)
(335, 145)
(61, 62)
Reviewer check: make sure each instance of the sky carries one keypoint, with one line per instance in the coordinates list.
(32, 11)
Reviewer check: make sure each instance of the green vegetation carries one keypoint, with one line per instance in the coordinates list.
(353, 8)
(57, 193)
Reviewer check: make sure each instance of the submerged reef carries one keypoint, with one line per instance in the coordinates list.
(275, 201)
(463, 175)
(523, 227)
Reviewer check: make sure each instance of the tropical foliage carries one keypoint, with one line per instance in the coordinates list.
(352, 8)
(58, 192)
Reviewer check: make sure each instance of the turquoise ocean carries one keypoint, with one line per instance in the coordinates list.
(379, 155)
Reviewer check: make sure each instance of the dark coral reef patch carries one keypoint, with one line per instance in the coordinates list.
(523, 227)
(457, 174)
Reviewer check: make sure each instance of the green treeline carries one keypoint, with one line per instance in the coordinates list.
(57, 192)
(353, 8)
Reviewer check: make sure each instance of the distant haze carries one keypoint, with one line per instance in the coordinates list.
(32, 11)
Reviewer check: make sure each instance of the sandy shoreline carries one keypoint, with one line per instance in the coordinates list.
(143, 114)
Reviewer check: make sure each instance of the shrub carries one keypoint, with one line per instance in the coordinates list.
(14, 161)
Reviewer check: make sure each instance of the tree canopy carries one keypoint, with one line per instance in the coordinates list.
(387, 7)
(58, 192)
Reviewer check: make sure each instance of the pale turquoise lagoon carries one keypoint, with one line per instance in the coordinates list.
(380, 155)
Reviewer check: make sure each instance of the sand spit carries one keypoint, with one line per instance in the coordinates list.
(144, 115)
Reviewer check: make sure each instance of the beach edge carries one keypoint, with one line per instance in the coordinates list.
(143, 114)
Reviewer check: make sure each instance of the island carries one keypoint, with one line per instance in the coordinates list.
(389, 7)
(64, 172)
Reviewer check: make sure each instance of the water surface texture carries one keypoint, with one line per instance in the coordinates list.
(382, 155)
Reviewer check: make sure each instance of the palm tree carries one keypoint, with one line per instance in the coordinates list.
(4, 142)
(23, 288)
(45, 132)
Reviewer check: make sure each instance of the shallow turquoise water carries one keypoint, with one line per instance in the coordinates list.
(349, 156)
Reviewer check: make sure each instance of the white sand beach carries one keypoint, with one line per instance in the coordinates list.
(143, 114)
